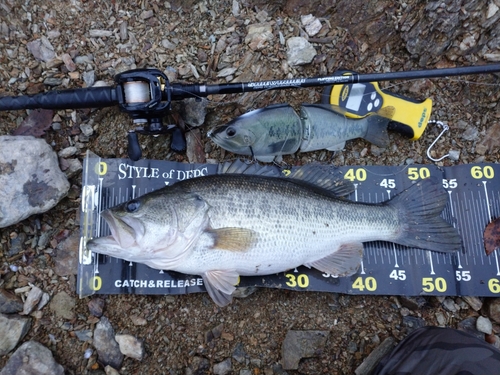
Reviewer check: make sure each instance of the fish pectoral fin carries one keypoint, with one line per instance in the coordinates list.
(220, 285)
(344, 262)
(233, 239)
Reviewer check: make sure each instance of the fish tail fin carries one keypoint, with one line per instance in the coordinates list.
(419, 209)
(376, 130)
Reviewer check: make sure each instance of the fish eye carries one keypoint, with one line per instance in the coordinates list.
(230, 132)
(132, 206)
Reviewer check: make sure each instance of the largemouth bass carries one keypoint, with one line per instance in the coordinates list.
(278, 130)
(224, 226)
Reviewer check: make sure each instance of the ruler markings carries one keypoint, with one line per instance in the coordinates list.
(479, 218)
(466, 237)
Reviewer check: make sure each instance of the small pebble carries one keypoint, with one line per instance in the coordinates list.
(441, 319)
(88, 353)
(484, 325)
(96, 306)
(34, 296)
(130, 346)
(454, 155)
(223, 367)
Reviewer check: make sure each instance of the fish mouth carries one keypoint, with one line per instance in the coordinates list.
(216, 133)
(121, 232)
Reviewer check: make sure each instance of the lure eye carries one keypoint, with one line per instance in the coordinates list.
(230, 132)
(132, 206)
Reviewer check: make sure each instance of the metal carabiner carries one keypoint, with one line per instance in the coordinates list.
(445, 129)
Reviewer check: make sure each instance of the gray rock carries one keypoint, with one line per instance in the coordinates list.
(97, 33)
(74, 166)
(413, 322)
(108, 350)
(301, 344)
(32, 358)
(235, 8)
(43, 301)
(454, 155)
(259, 35)
(17, 244)
(62, 305)
(67, 152)
(89, 77)
(239, 353)
(473, 302)
(484, 325)
(470, 134)
(168, 44)
(493, 309)
(469, 325)
(52, 81)
(87, 129)
(66, 261)
(9, 302)
(223, 367)
(130, 346)
(193, 111)
(12, 330)
(299, 51)
(311, 24)
(450, 305)
(34, 296)
(84, 335)
(413, 303)
(31, 179)
(110, 370)
(441, 318)
(198, 365)
(41, 49)
(96, 306)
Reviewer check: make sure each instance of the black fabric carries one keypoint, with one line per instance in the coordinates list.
(443, 351)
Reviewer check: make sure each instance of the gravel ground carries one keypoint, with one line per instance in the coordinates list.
(84, 42)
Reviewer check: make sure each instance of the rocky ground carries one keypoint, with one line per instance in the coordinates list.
(45, 45)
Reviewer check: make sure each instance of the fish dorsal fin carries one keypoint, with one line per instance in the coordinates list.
(316, 175)
(246, 167)
(220, 285)
(233, 239)
(344, 262)
(312, 175)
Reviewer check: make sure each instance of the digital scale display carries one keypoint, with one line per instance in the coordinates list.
(386, 269)
(355, 97)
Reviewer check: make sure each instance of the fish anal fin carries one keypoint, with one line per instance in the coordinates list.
(220, 285)
(344, 262)
(233, 239)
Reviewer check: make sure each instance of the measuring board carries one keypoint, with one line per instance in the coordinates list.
(386, 269)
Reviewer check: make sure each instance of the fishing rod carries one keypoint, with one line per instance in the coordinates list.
(146, 95)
